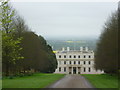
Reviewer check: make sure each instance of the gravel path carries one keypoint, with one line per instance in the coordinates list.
(72, 81)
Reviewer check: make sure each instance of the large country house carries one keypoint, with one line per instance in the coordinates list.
(76, 61)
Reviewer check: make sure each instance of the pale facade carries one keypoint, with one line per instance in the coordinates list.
(76, 61)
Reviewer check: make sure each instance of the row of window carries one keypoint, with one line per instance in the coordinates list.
(89, 69)
(75, 62)
(84, 69)
(60, 69)
(74, 56)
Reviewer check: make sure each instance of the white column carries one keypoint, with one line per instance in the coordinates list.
(71, 70)
(67, 70)
(78, 70)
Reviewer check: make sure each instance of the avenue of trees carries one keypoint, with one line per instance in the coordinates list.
(107, 47)
(22, 50)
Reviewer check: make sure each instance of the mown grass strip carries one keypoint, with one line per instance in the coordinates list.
(102, 80)
(35, 81)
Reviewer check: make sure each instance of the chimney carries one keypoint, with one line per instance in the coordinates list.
(86, 48)
(68, 48)
(81, 48)
(63, 49)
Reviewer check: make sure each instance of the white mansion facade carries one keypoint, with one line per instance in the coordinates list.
(76, 61)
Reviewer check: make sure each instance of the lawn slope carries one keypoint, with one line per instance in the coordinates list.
(35, 81)
(102, 80)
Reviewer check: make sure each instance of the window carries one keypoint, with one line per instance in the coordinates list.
(74, 62)
(89, 69)
(84, 62)
(70, 62)
(89, 56)
(64, 62)
(78, 62)
(79, 56)
(89, 62)
(74, 56)
(84, 69)
(59, 56)
(70, 56)
(59, 69)
(64, 69)
(84, 56)
(64, 56)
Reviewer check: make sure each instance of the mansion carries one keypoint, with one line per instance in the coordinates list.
(76, 61)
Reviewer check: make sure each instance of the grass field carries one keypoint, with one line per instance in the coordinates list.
(36, 81)
(102, 80)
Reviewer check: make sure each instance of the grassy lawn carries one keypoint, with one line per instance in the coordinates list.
(36, 81)
(102, 80)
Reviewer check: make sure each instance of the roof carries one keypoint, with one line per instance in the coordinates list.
(75, 51)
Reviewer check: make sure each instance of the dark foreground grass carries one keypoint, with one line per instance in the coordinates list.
(103, 80)
(36, 81)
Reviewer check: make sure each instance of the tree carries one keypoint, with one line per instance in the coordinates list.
(37, 54)
(50, 61)
(10, 46)
(18, 40)
(107, 47)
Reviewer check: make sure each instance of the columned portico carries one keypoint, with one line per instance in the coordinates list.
(74, 69)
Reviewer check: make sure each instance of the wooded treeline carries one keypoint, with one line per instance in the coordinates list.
(107, 51)
(23, 51)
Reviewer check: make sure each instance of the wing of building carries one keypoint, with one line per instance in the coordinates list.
(76, 61)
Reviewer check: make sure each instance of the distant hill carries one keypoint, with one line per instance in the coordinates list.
(57, 44)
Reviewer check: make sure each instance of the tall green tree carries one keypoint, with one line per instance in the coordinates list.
(10, 46)
(18, 40)
(107, 47)
(50, 63)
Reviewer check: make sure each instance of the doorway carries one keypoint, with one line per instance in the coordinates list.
(70, 70)
(74, 70)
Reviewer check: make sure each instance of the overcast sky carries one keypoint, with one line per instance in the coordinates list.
(65, 19)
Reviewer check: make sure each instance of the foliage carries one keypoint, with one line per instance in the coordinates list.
(38, 55)
(107, 47)
(10, 46)
(24, 52)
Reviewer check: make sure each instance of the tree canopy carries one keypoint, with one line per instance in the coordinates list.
(107, 47)
(22, 49)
